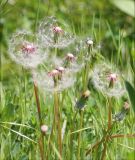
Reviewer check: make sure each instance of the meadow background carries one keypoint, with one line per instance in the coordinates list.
(110, 24)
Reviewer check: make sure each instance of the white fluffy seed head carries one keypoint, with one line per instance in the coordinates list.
(46, 82)
(25, 50)
(101, 82)
(47, 34)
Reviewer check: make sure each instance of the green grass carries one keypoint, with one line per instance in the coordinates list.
(19, 125)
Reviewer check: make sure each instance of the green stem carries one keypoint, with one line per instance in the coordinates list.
(123, 135)
(58, 122)
(104, 152)
(79, 136)
(72, 135)
(109, 114)
(41, 140)
(107, 135)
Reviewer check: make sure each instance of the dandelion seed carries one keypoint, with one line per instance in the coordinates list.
(108, 80)
(53, 35)
(25, 50)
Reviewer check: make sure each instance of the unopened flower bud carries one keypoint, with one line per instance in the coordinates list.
(82, 101)
(122, 114)
(44, 128)
(86, 94)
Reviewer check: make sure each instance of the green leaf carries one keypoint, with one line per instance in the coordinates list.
(127, 6)
(20, 134)
(131, 93)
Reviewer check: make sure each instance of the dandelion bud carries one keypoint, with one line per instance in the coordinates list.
(86, 94)
(57, 29)
(112, 78)
(28, 48)
(122, 114)
(44, 128)
(82, 101)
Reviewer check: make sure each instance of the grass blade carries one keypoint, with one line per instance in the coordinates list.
(20, 134)
(131, 93)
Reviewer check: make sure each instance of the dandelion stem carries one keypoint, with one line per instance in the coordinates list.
(109, 114)
(104, 152)
(38, 104)
(79, 136)
(41, 139)
(93, 147)
(123, 135)
(57, 121)
(105, 137)
(72, 135)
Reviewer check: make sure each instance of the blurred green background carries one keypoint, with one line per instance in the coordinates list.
(107, 19)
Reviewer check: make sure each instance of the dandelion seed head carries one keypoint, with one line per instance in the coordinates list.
(52, 35)
(46, 81)
(102, 75)
(25, 50)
